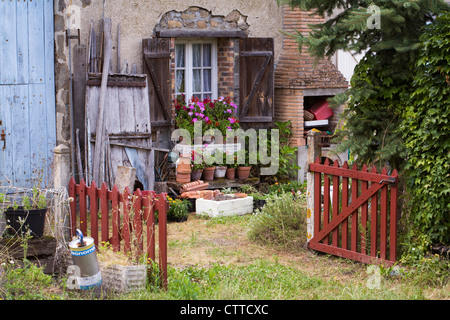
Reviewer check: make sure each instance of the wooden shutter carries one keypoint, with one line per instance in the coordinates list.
(256, 63)
(157, 68)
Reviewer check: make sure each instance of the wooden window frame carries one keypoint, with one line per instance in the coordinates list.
(189, 68)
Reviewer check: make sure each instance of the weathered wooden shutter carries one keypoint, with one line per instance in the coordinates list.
(256, 63)
(157, 68)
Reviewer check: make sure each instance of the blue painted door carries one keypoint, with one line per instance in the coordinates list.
(27, 94)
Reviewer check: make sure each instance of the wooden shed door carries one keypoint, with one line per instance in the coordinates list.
(27, 96)
(256, 64)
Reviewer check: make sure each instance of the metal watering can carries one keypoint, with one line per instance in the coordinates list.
(86, 270)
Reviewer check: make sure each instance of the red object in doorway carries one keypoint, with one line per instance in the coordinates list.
(321, 110)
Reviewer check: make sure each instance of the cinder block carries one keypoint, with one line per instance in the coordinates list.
(239, 206)
(121, 278)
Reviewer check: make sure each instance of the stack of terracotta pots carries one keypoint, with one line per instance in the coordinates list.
(184, 170)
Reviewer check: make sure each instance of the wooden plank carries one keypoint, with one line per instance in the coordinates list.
(22, 41)
(393, 219)
(115, 206)
(383, 220)
(349, 173)
(73, 206)
(36, 41)
(149, 216)
(126, 220)
(8, 39)
(104, 208)
(374, 221)
(162, 206)
(326, 202)
(344, 240)
(317, 202)
(137, 221)
(93, 200)
(98, 151)
(335, 205)
(355, 220)
(364, 211)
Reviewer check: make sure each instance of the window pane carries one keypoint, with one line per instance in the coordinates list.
(180, 87)
(196, 55)
(207, 80)
(197, 83)
(207, 55)
(179, 55)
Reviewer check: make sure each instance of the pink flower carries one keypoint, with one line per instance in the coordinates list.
(190, 113)
(232, 120)
(206, 119)
(229, 128)
(229, 111)
(194, 120)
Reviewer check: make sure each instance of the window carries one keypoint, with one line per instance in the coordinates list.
(196, 69)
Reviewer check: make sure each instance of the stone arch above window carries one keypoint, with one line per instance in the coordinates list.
(199, 22)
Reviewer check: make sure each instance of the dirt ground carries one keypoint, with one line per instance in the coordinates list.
(202, 242)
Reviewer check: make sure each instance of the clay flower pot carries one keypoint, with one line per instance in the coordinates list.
(208, 173)
(196, 174)
(243, 172)
(230, 174)
(220, 171)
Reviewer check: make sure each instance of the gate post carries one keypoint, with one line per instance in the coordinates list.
(313, 151)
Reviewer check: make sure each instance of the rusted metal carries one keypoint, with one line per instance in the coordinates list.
(3, 138)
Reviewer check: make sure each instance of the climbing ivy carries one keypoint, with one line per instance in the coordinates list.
(426, 132)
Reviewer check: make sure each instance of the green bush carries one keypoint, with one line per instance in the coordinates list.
(427, 135)
(281, 222)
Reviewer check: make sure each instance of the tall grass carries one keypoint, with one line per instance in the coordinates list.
(281, 222)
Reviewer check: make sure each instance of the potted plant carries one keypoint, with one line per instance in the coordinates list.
(197, 165)
(231, 168)
(30, 215)
(210, 168)
(178, 210)
(221, 168)
(243, 169)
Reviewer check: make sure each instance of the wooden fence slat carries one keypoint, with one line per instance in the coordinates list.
(81, 190)
(93, 199)
(335, 206)
(393, 219)
(149, 217)
(355, 220)
(73, 206)
(115, 207)
(364, 212)
(104, 208)
(344, 230)
(137, 220)
(326, 201)
(374, 221)
(126, 220)
(162, 206)
(383, 219)
(317, 200)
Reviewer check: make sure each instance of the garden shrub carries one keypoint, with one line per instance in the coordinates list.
(281, 222)
(426, 128)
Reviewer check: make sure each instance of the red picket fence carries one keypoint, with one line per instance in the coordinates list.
(355, 212)
(124, 217)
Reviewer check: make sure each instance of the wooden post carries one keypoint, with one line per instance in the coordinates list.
(313, 151)
(98, 151)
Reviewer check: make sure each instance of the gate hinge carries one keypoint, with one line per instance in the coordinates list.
(390, 180)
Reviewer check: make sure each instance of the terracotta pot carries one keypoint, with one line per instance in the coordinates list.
(196, 175)
(220, 171)
(231, 173)
(208, 173)
(243, 172)
(183, 177)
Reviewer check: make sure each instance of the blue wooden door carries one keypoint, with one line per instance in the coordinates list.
(27, 94)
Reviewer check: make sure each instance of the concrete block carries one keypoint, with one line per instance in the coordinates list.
(122, 278)
(232, 207)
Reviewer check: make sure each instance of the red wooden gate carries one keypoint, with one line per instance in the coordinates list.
(355, 212)
(128, 213)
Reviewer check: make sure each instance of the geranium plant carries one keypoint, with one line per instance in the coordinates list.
(220, 114)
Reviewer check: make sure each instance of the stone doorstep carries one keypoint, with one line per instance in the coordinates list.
(213, 208)
(123, 278)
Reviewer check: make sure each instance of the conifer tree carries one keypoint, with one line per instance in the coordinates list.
(387, 32)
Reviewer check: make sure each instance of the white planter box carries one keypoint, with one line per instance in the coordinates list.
(239, 206)
(123, 278)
